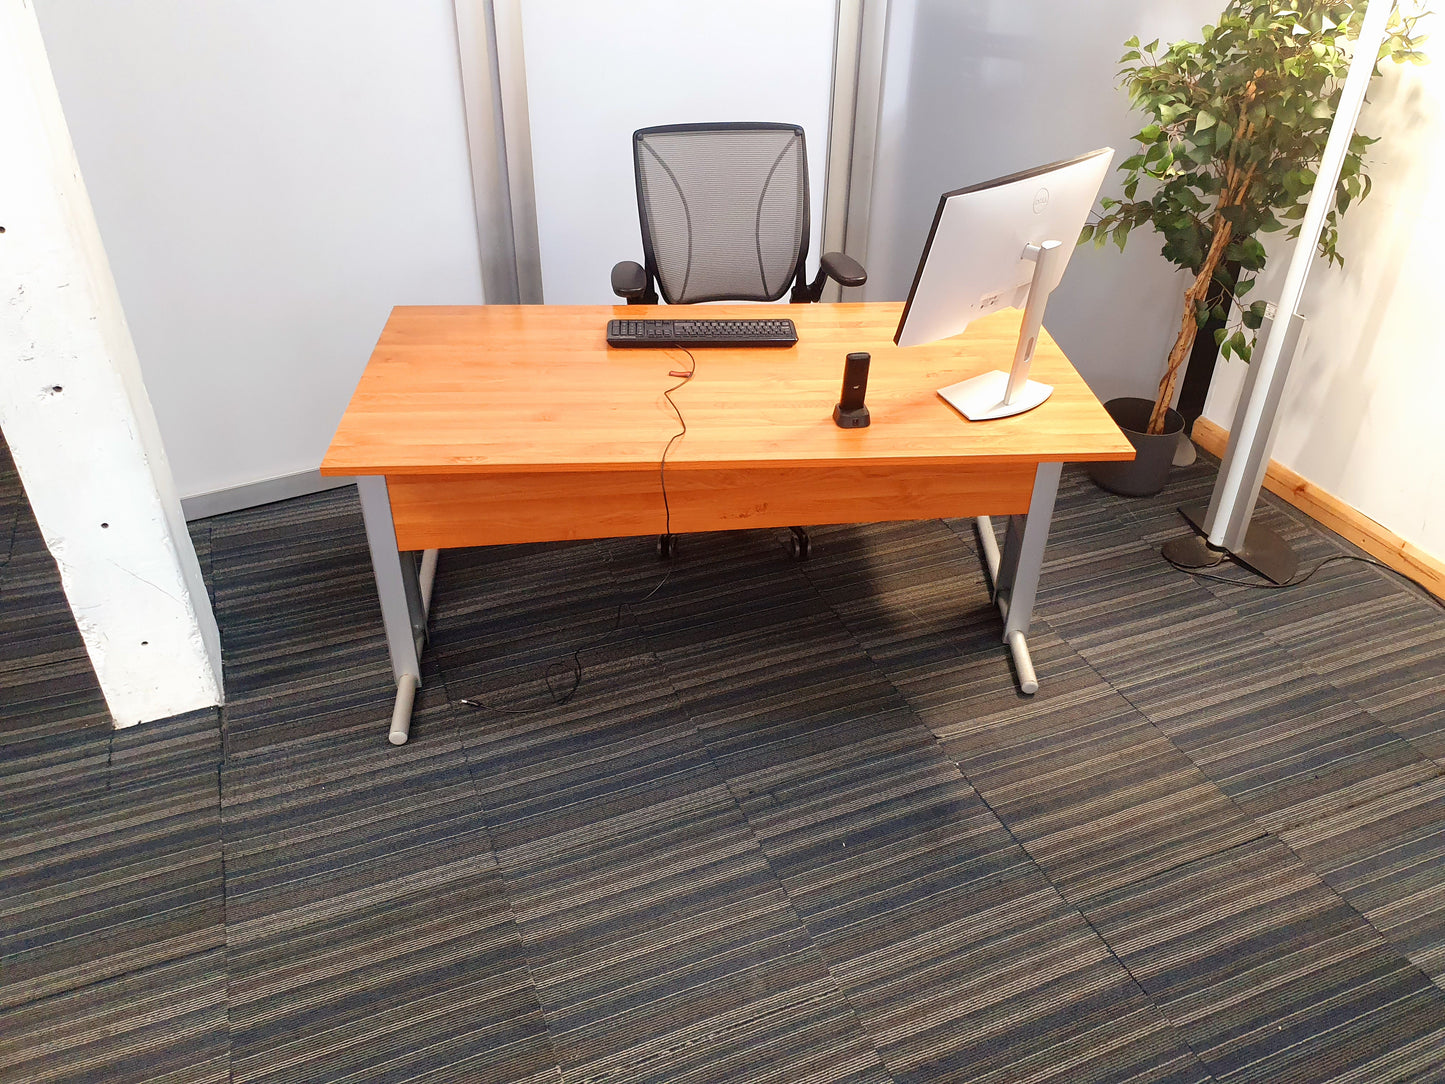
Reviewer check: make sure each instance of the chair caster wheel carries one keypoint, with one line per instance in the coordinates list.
(799, 545)
(666, 546)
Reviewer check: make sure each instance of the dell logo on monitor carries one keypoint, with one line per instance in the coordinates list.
(1041, 200)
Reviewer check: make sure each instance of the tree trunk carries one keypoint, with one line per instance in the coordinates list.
(1188, 326)
(1199, 366)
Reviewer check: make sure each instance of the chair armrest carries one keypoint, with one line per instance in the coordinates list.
(843, 269)
(629, 280)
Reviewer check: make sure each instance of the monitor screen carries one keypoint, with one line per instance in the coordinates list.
(974, 261)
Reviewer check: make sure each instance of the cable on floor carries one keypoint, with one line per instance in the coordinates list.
(1297, 580)
(562, 696)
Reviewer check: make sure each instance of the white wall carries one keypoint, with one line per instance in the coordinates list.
(1361, 412)
(270, 177)
(975, 89)
(599, 69)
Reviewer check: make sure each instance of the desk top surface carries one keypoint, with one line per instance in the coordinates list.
(501, 388)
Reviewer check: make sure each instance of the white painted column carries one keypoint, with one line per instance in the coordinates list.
(77, 418)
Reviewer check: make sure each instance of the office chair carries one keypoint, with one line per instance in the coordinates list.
(724, 215)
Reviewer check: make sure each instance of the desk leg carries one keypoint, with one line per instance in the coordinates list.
(405, 594)
(1015, 571)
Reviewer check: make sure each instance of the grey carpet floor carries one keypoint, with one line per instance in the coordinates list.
(794, 824)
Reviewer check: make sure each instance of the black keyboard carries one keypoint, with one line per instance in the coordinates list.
(701, 333)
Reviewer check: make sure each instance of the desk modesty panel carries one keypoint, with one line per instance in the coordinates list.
(499, 424)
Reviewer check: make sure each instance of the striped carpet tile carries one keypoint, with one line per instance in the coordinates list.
(108, 883)
(1270, 976)
(1335, 623)
(512, 625)
(722, 584)
(1386, 857)
(369, 935)
(45, 757)
(1388, 655)
(770, 697)
(914, 593)
(301, 627)
(163, 1024)
(621, 744)
(48, 690)
(112, 918)
(1286, 745)
(1096, 795)
(664, 948)
(660, 942)
(1291, 750)
(959, 957)
(617, 741)
(1347, 618)
(1273, 735)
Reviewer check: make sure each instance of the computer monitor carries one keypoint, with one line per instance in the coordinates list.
(1001, 244)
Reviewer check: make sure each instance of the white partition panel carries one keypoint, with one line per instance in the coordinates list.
(975, 89)
(270, 178)
(596, 70)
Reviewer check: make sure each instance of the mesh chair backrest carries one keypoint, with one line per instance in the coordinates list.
(724, 209)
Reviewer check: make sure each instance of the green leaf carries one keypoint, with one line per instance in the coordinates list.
(1220, 334)
(1087, 233)
(1149, 134)
(1253, 316)
(1205, 120)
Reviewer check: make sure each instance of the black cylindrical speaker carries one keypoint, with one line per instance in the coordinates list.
(850, 413)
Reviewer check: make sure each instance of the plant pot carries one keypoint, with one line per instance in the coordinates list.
(1147, 474)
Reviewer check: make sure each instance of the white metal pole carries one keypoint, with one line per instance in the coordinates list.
(1352, 98)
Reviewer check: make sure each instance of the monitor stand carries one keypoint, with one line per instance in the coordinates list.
(1000, 394)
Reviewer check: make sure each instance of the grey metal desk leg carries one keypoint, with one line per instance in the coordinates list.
(403, 612)
(1015, 571)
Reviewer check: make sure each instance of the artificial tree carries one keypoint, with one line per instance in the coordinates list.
(1238, 122)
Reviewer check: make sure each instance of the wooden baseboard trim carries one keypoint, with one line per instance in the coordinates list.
(1345, 520)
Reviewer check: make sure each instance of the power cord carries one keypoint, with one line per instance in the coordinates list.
(1298, 580)
(575, 665)
(662, 466)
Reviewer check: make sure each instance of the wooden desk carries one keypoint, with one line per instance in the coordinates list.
(496, 424)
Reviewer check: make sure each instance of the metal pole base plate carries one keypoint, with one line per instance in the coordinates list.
(1192, 551)
(1265, 552)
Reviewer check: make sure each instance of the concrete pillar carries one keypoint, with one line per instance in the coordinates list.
(77, 418)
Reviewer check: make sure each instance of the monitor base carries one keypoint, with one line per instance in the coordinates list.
(980, 398)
